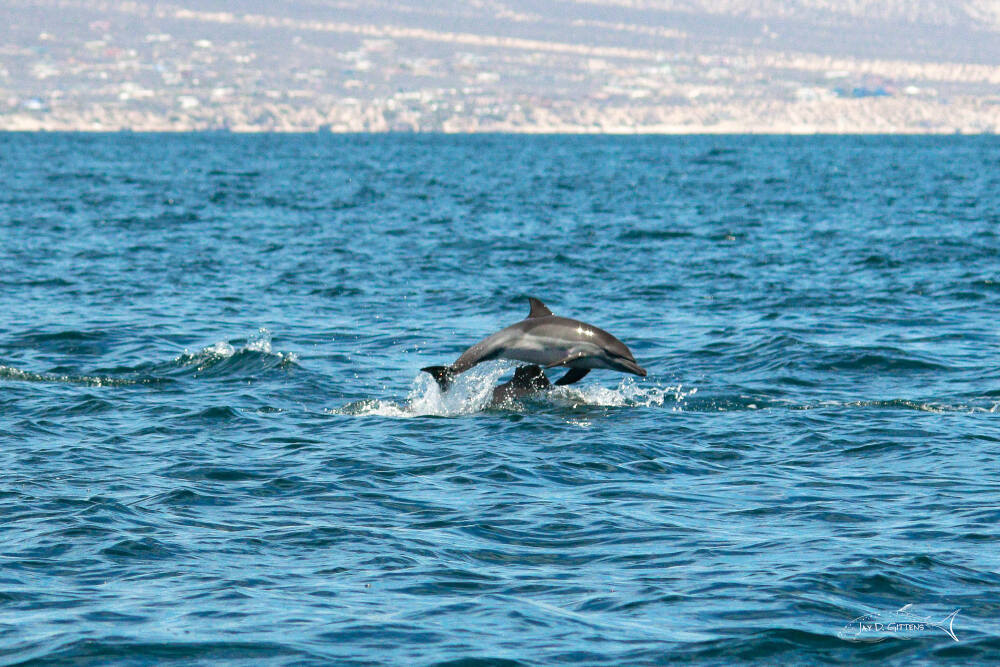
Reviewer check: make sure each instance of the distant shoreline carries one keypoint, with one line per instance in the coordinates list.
(644, 132)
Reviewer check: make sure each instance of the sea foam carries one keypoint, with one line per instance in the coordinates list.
(472, 391)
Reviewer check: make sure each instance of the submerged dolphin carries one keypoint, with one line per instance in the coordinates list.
(549, 341)
(527, 380)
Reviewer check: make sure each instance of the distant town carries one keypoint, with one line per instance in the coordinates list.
(95, 65)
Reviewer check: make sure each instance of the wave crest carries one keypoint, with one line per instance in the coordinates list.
(222, 357)
(217, 360)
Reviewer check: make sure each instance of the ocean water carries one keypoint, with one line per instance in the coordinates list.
(216, 444)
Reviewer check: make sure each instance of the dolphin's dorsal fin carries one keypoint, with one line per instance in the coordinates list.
(538, 309)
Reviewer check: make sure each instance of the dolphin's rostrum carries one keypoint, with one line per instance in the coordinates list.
(549, 341)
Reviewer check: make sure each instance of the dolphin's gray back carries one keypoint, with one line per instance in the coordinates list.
(539, 340)
(491, 347)
(573, 330)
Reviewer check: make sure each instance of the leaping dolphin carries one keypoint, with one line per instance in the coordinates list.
(547, 340)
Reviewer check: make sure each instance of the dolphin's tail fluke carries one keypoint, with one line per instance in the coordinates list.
(443, 375)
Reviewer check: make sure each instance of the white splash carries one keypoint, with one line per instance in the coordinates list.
(260, 342)
(470, 393)
(220, 350)
(473, 390)
(628, 393)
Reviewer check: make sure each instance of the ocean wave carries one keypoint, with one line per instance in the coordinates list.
(217, 360)
(910, 404)
(19, 375)
(223, 358)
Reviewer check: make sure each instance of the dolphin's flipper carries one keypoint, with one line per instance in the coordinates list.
(574, 375)
(538, 309)
(443, 375)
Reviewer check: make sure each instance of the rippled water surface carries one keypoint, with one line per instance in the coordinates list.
(216, 444)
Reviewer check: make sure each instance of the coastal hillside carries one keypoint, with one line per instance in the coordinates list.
(521, 66)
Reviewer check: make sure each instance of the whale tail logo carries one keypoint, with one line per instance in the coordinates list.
(946, 624)
(899, 624)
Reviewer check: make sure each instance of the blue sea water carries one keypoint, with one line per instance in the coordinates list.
(216, 445)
